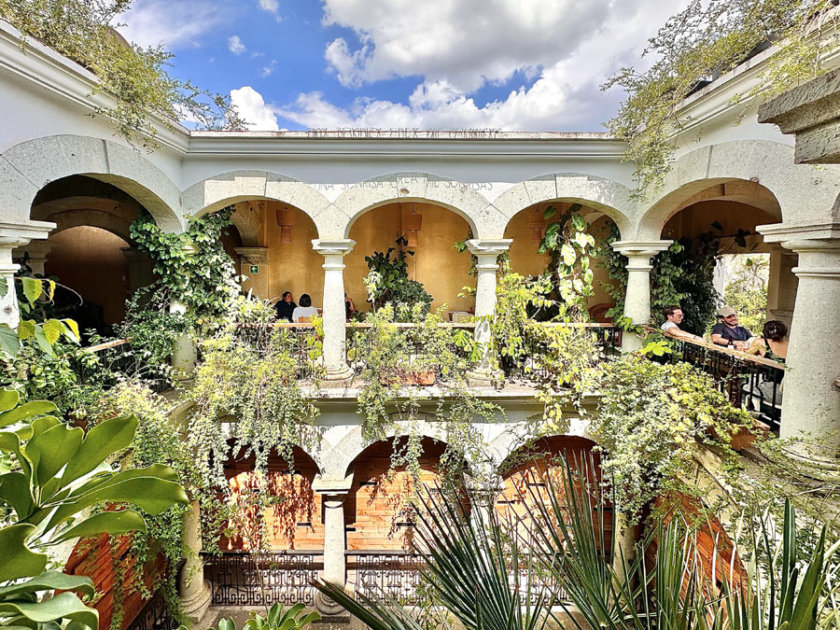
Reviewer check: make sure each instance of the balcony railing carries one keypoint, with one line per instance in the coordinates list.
(386, 574)
(155, 615)
(263, 579)
(754, 383)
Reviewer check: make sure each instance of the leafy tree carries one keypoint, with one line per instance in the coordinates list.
(697, 45)
(746, 292)
(82, 31)
(52, 476)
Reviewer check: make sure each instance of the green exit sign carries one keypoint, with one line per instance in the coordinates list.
(254, 269)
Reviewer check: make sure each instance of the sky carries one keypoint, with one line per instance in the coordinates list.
(509, 65)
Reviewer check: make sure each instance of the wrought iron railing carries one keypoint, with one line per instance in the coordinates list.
(754, 383)
(601, 341)
(263, 579)
(155, 615)
(385, 574)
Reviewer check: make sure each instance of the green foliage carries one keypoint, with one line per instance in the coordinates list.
(278, 618)
(249, 375)
(136, 77)
(746, 292)
(192, 268)
(570, 246)
(698, 44)
(52, 476)
(683, 275)
(388, 282)
(660, 411)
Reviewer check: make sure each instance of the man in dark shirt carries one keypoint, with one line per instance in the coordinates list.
(727, 331)
(285, 307)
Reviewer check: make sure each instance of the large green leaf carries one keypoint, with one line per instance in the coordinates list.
(27, 412)
(9, 398)
(14, 491)
(63, 606)
(53, 449)
(32, 289)
(143, 488)
(101, 441)
(18, 560)
(48, 581)
(119, 522)
(53, 329)
(9, 340)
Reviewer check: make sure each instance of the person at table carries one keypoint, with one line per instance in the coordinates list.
(728, 332)
(673, 318)
(305, 312)
(773, 342)
(285, 307)
(349, 307)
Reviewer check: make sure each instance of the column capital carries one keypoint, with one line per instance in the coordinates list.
(17, 234)
(339, 247)
(489, 247)
(818, 246)
(633, 249)
(333, 488)
(253, 255)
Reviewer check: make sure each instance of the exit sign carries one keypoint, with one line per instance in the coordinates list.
(254, 268)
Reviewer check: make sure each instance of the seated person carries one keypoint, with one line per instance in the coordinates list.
(285, 307)
(305, 312)
(671, 327)
(349, 307)
(728, 332)
(773, 342)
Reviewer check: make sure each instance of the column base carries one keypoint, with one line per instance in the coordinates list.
(339, 373)
(818, 461)
(195, 606)
(483, 378)
(326, 606)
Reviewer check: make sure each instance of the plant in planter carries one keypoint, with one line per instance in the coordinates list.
(388, 283)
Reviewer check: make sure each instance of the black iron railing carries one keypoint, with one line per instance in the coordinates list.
(155, 615)
(600, 341)
(385, 574)
(263, 579)
(753, 383)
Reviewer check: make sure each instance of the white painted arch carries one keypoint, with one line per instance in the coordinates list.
(484, 219)
(605, 195)
(27, 167)
(217, 191)
(804, 192)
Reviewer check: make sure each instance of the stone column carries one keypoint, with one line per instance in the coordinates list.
(811, 403)
(333, 493)
(12, 236)
(637, 299)
(184, 357)
(487, 253)
(37, 252)
(781, 286)
(193, 590)
(335, 351)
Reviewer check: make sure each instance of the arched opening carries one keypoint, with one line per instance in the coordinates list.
(531, 472)
(431, 232)
(724, 260)
(90, 251)
(527, 229)
(275, 252)
(278, 512)
(380, 518)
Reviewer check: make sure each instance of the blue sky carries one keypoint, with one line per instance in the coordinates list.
(530, 65)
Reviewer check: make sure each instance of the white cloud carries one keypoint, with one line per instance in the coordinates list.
(235, 45)
(272, 6)
(252, 108)
(172, 24)
(565, 48)
(266, 71)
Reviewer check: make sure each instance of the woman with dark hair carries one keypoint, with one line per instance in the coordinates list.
(773, 343)
(285, 307)
(305, 312)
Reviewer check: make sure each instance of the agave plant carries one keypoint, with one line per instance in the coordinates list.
(278, 618)
(473, 569)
